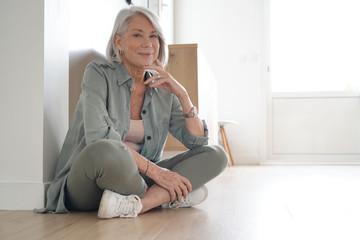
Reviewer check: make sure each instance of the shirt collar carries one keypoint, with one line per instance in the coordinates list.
(123, 76)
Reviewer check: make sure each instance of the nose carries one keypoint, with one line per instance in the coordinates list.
(147, 42)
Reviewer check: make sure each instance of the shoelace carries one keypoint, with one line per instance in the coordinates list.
(125, 206)
(185, 202)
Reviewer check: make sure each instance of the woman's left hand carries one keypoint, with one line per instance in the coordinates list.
(164, 80)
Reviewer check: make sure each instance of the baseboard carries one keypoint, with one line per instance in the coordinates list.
(246, 159)
(22, 195)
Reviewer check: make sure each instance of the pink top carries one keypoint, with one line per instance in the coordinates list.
(136, 135)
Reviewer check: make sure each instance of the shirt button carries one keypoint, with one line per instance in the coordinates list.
(144, 111)
(148, 138)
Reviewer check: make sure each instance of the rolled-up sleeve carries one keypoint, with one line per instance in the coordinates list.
(97, 124)
(179, 130)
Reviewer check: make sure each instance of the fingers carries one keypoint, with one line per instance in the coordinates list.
(161, 78)
(158, 83)
(188, 184)
(154, 78)
(184, 191)
(156, 68)
(158, 63)
(184, 187)
(176, 185)
(179, 193)
(181, 188)
(172, 196)
(157, 75)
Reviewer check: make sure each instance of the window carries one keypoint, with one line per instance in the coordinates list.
(315, 45)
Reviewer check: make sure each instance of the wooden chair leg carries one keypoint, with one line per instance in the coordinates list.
(224, 142)
(226, 145)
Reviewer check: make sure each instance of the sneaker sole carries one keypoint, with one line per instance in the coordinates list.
(104, 203)
(206, 194)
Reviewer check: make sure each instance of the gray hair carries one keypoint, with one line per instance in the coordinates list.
(121, 24)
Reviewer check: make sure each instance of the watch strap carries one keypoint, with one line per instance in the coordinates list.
(193, 113)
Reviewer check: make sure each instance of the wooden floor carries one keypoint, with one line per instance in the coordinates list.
(245, 202)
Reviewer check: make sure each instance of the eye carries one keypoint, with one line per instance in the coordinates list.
(137, 35)
(154, 36)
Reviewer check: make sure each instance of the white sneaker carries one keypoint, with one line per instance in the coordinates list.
(116, 205)
(194, 198)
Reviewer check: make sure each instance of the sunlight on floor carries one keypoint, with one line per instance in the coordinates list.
(296, 202)
(244, 203)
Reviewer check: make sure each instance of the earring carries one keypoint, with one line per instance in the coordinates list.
(121, 52)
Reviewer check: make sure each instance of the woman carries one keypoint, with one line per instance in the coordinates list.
(110, 157)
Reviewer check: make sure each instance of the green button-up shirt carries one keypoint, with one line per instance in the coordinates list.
(103, 112)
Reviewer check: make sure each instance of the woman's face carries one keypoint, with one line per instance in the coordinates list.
(140, 43)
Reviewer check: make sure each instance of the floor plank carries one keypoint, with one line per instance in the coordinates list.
(245, 202)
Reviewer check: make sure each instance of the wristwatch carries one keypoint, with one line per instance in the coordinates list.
(193, 113)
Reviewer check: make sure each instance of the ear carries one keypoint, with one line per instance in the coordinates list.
(117, 41)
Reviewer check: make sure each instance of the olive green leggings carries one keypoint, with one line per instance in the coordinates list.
(108, 164)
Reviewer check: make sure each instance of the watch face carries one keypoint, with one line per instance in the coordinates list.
(193, 113)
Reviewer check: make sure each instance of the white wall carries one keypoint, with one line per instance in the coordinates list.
(88, 38)
(314, 128)
(227, 32)
(33, 92)
(56, 85)
(308, 124)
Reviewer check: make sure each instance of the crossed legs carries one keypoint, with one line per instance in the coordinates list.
(108, 164)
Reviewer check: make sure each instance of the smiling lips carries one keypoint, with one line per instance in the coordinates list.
(146, 54)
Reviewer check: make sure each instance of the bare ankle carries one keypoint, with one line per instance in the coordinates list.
(144, 206)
